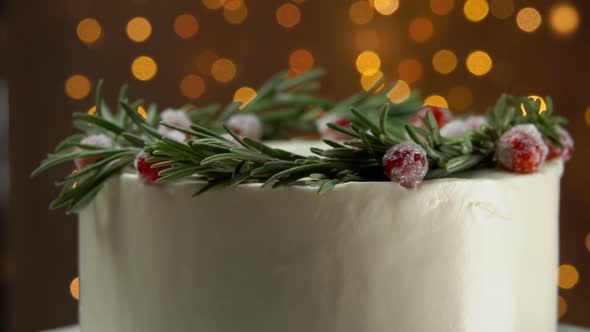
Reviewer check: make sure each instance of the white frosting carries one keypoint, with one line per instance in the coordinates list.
(473, 254)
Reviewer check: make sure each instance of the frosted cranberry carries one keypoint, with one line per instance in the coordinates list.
(144, 168)
(568, 146)
(178, 118)
(406, 164)
(521, 149)
(329, 133)
(246, 125)
(442, 116)
(101, 141)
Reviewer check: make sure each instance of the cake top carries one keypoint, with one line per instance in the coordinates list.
(367, 138)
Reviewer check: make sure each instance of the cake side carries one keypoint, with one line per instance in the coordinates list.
(457, 254)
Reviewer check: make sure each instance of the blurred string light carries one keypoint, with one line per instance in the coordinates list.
(92, 110)
(543, 107)
(479, 63)
(223, 70)
(88, 30)
(244, 95)
(460, 98)
(410, 70)
(141, 110)
(237, 15)
(213, 4)
(385, 7)
(77, 86)
(368, 63)
(367, 39)
(369, 81)
(288, 15)
(400, 92)
(444, 61)
(75, 288)
(186, 26)
(300, 61)
(587, 236)
(568, 276)
(139, 29)
(205, 61)
(421, 29)
(587, 118)
(442, 7)
(144, 68)
(502, 9)
(476, 10)
(528, 19)
(561, 307)
(436, 100)
(233, 4)
(361, 12)
(192, 86)
(564, 19)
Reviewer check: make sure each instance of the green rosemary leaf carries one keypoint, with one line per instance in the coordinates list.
(462, 163)
(328, 185)
(362, 118)
(310, 75)
(56, 159)
(100, 122)
(212, 184)
(344, 130)
(100, 110)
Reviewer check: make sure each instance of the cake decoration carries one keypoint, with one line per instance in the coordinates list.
(406, 164)
(521, 149)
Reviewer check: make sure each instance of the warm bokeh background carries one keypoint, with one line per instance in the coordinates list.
(464, 53)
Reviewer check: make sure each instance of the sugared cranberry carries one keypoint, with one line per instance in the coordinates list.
(144, 168)
(101, 141)
(329, 133)
(246, 125)
(406, 164)
(178, 118)
(568, 146)
(442, 116)
(459, 127)
(521, 149)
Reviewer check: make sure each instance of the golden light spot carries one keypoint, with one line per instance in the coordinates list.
(386, 7)
(92, 110)
(436, 100)
(441, 7)
(88, 30)
(144, 68)
(587, 118)
(139, 29)
(561, 307)
(78, 86)
(300, 61)
(368, 63)
(587, 236)
(205, 61)
(409, 70)
(502, 9)
(479, 63)
(223, 70)
(568, 276)
(75, 185)
(244, 95)
(444, 61)
(564, 19)
(141, 110)
(233, 4)
(476, 10)
(460, 98)
(75, 288)
(186, 26)
(360, 12)
(421, 29)
(213, 4)
(542, 109)
(192, 86)
(235, 16)
(368, 82)
(288, 15)
(528, 19)
(400, 92)
(367, 39)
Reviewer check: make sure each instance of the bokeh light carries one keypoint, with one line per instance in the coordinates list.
(139, 29)
(141, 110)
(587, 117)
(75, 288)
(479, 63)
(386, 7)
(442, 7)
(564, 19)
(360, 12)
(460, 98)
(400, 92)
(223, 70)
(235, 16)
(444, 61)
(502, 9)
(213, 4)
(300, 61)
(366, 39)
(244, 95)
(476, 10)
(561, 307)
(421, 29)
(528, 19)
(436, 100)
(186, 26)
(88, 30)
(205, 61)
(192, 86)
(288, 15)
(233, 4)
(543, 107)
(587, 236)
(568, 276)
(410, 70)
(144, 68)
(368, 63)
(92, 110)
(369, 81)
(78, 87)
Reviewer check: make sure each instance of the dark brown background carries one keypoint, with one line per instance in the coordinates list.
(43, 51)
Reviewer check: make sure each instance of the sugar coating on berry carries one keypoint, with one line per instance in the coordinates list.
(144, 168)
(441, 115)
(178, 118)
(173, 134)
(476, 121)
(455, 128)
(568, 146)
(101, 141)
(406, 164)
(246, 125)
(521, 149)
(329, 133)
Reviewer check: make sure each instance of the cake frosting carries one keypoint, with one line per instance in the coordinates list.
(476, 253)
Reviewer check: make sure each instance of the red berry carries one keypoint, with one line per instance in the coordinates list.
(100, 140)
(521, 149)
(442, 116)
(406, 164)
(329, 133)
(246, 125)
(144, 168)
(568, 146)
